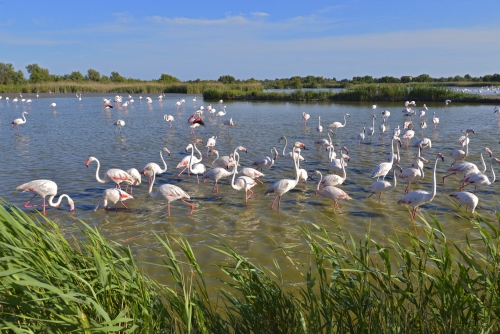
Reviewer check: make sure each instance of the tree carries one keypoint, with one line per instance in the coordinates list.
(166, 78)
(467, 77)
(104, 78)
(406, 78)
(93, 75)
(9, 76)
(226, 79)
(295, 82)
(116, 77)
(76, 76)
(423, 78)
(38, 74)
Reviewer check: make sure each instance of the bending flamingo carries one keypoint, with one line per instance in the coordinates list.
(331, 192)
(45, 188)
(156, 168)
(113, 195)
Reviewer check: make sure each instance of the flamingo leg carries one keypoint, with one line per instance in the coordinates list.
(251, 193)
(275, 198)
(123, 205)
(259, 181)
(44, 206)
(371, 195)
(198, 178)
(191, 205)
(181, 172)
(279, 203)
(379, 195)
(168, 207)
(447, 176)
(26, 204)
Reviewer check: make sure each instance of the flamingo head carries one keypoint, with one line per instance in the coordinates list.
(89, 160)
(71, 204)
(440, 156)
(282, 137)
(299, 144)
(166, 150)
(489, 151)
(146, 169)
(345, 149)
(190, 146)
(191, 118)
(241, 148)
(348, 115)
(212, 151)
(346, 157)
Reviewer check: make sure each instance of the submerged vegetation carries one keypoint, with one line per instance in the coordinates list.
(411, 284)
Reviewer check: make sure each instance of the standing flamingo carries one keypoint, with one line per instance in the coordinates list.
(19, 121)
(384, 168)
(337, 125)
(229, 123)
(418, 197)
(169, 192)
(378, 187)
(361, 136)
(53, 105)
(266, 162)
(435, 120)
(371, 130)
(289, 154)
(284, 185)
(155, 167)
(195, 168)
(479, 179)
(330, 192)
(169, 118)
(305, 117)
(113, 195)
(136, 176)
(242, 182)
(119, 123)
(45, 188)
(386, 114)
(467, 199)
(112, 175)
(224, 161)
(319, 128)
(185, 161)
(211, 143)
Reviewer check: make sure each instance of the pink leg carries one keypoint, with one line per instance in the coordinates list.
(259, 181)
(124, 205)
(279, 203)
(274, 201)
(371, 195)
(26, 204)
(379, 195)
(181, 172)
(191, 205)
(168, 206)
(44, 206)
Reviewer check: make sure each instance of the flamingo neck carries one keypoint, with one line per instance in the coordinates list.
(484, 164)
(345, 121)
(296, 161)
(395, 178)
(342, 163)
(492, 171)
(151, 193)
(198, 151)
(235, 169)
(164, 163)
(284, 148)
(434, 180)
(97, 172)
(190, 161)
(319, 182)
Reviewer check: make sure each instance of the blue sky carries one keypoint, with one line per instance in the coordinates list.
(260, 39)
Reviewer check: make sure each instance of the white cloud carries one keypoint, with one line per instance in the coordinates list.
(260, 14)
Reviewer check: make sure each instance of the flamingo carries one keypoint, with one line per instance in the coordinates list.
(289, 154)
(384, 168)
(221, 113)
(334, 179)
(112, 175)
(382, 129)
(156, 169)
(305, 117)
(422, 111)
(396, 158)
(119, 123)
(411, 174)
(396, 132)
(228, 123)
(447, 102)
(479, 179)
(284, 185)
(45, 188)
(19, 121)
(466, 198)
(216, 174)
(374, 107)
(224, 161)
(336, 165)
(169, 192)
(435, 120)
(252, 173)
(465, 168)
(361, 136)
(409, 134)
(169, 118)
(371, 130)
(458, 155)
(386, 114)
(195, 168)
(221, 101)
(114, 195)
(378, 187)
(185, 161)
(337, 125)
(242, 182)
(331, 192)
(423, 143)
(194, 99)
(53, 105)
(266, 162)
(495, 111)
(319, 128)
(136, 176)
(193, 126)
(211, 143)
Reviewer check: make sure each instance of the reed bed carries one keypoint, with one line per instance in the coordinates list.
(375, 92)
(129, 88)
(409, 284)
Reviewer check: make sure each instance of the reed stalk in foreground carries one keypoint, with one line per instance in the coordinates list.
(409, 284)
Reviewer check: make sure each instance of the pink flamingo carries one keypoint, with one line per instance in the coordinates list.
(112, 175)
(114, 195)
(284, 185)
(266, 162)
(136, 176)
(156, 168)
(242, 182)
(169, 192)
(185, 161)
(331, 192)
(45, 188)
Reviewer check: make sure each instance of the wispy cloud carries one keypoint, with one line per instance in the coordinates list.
(239, 19)
(260, 14)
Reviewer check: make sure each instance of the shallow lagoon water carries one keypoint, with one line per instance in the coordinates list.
(55, 143)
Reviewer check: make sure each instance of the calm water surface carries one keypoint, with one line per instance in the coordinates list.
(54, 144)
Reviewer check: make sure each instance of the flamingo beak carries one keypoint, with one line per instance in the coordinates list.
(345, 149)
(489, 152)
(72, 207)
(166, 150)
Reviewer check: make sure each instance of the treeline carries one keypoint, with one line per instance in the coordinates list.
(37, 74)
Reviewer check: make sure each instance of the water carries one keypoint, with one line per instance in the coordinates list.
(55, 144)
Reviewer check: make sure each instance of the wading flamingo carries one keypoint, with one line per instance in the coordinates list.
(112, 175)
(156, 169)
(331, 192)
(266, 162)
(337, 125)
(284, 185)
(289, 154)
(185, 161)
(384, 168)
(195, 168)
(319, 128)
(19, 121)
(378, 187)
(119, 123)
(45, 188)
(113, 195)
(169, 118)
(467, 199)
(305, 117)
(242, 182)
(136, 176)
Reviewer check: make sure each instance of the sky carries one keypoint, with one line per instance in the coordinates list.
(253, 39)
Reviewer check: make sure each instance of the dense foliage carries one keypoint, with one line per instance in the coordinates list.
(408, 284)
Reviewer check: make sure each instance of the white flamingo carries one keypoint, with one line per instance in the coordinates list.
(479, 179)
(185, 161)
(224, 161)
(169, 118)
(435, 120)
(384, 168)
(378, 187)
(467, 199)
(305, 117)
(419, 197)
(119, 123)
(242, 182)
(371, 130)
(361, 136)
(136, 176)
(284, 185)
(195, 168)
(113, 195)
(170, 193)
(45, 188)
(337, 125)
(386, 114)
(266, 162)
(112, 175)
(211, 143)
(289, 154)
(155, 168)
(19, 121)
(319, 128)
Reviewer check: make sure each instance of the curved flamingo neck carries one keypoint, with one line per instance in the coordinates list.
(492, 171)
(345, 121)
(342, 163)
(198, 151)
(164, 163)
(151, 193)
(296, 161)
(434, 180)
(97, 172)
(191, 160)
(319, 182)
(235, 168)
(284, 147)
(484, 164)
(51, 198)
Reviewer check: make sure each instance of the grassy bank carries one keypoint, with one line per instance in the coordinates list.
(413, 284)
(375, 92)
(129, 88)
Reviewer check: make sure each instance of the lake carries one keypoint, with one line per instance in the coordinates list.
(55, 144)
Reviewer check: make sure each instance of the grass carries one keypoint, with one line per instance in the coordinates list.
(374, 92)
(409, 284)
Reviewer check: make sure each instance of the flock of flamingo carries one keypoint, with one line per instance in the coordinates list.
(247, 177)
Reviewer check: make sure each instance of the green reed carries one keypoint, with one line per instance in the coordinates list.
(406, 284)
